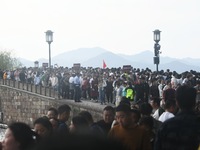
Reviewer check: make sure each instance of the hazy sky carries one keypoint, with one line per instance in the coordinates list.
(120, 26)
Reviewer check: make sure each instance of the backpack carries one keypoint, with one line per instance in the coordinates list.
(130, 93)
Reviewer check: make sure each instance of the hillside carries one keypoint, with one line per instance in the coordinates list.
(93, 57)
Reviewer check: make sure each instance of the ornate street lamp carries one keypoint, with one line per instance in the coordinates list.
(156, 48)
(49, 39)
(36, 63)
(157, 35)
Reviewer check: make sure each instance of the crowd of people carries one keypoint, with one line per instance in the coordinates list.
(107, 85)
(122, 127)
(151, 110)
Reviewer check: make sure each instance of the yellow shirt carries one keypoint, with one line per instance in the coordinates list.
(134, 138)
(5, 76)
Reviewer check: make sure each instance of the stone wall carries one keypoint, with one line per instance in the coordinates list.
(24, 106)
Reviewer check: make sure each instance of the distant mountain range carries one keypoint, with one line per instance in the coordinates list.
(93, 57)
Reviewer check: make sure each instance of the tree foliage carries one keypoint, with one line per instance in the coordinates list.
(7, 62)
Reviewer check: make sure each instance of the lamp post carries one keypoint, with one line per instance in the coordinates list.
(36, 63)
(156, 48)
(49, 39)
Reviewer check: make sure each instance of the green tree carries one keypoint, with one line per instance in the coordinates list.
(7, 61)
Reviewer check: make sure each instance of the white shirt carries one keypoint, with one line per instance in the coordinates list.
(160, 88)
(174, 82)
(165, 116)
(53, 80)
(185, 80)
(77, 80)
(71, 79)
(156, 114)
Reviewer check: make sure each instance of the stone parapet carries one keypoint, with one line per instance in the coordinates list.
(24, 106)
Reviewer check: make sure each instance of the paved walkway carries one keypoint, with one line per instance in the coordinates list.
(88, 103)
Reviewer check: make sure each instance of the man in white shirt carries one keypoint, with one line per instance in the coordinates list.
(174, 82)
(71, 85)
(170, 110)
(77, 88)
(157, 110)
(54, 81)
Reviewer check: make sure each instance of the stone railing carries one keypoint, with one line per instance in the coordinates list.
(38, 89)
(26, 102)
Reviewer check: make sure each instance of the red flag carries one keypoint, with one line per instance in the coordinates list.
(104, 64)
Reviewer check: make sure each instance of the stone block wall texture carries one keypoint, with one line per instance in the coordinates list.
(23, 106)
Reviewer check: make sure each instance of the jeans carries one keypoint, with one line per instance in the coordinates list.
(102, 96)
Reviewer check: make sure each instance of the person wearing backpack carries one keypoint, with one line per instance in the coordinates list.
(130, 92)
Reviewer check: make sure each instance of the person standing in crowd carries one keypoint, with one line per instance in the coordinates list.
(157, 109)
(16, 75)
(127, 132)
(94, 128)
(5, 74)
(130, 92)
(79, 125)
(146, 122)
(174, 81)
(153, 89)
(54, 81)
(65, 86)
(142, 90)
(77, 88)
(108, 118)
(22, 76)
(183, 130)
(94, 88)
(19, 136)
(63, 116)
(168, 92)
(109, 90)
(101, 88)
(37, 77)
(116, 85)
(88, 89)
(52, 113)
(170, 110)
(188, 79)
(135, 114)
(8, 74)
(124, 85)
(29, 76)
(161, 85)
(84, 87)
(42, 79)
(45, 79)
(54, 123)
(71, 86)
(146, 110)
(59, 87)
(118, 93)
(43, 127)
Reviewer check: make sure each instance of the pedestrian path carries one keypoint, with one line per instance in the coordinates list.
(88, 103)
